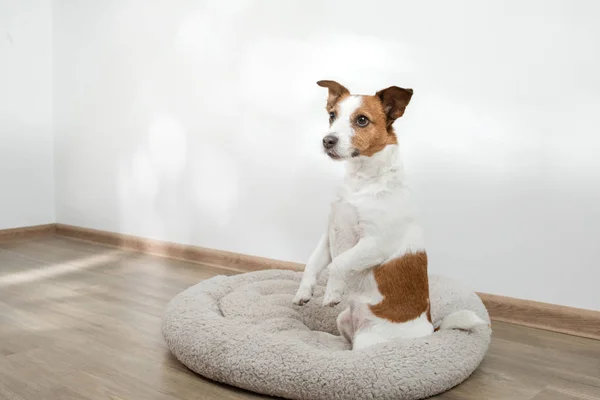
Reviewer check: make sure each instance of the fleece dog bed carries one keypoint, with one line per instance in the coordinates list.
(243, 330)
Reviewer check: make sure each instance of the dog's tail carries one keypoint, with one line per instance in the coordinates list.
(464, 320)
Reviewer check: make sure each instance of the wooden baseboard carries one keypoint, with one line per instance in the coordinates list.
(26, 232)
(551, 317)
(221, 258)
(572, 321)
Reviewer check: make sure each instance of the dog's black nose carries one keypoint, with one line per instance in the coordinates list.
(329, 141)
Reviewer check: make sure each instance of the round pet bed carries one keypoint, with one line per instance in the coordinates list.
(243, 330)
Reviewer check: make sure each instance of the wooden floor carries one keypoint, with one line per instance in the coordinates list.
(82, 321)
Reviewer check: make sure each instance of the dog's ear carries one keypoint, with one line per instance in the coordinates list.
(336, 91)
(394, 100)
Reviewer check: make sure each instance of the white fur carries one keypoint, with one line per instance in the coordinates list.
(463, 319)
(384, 331)
(342, 126)
(371, 221)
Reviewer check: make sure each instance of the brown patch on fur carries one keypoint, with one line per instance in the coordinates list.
(428, 306)
(377, 134)
(394, 100)
(404, 285)
(336, 93)
(382, 110)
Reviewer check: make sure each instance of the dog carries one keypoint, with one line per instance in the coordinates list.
(374, 246)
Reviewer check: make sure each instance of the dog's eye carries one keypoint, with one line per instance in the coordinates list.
(331, 116)
(362, 121)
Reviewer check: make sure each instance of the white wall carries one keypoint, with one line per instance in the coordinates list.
(26, 144)
(200, 122)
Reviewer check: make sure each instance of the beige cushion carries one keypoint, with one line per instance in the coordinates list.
(244, 330)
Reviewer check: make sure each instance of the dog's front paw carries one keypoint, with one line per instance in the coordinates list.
(303, 295)
(332, 298)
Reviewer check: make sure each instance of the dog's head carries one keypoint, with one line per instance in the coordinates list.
(361, 125)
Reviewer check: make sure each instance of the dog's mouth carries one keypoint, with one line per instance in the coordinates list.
(334, 155)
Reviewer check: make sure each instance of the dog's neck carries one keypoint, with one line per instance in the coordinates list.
(378, 164)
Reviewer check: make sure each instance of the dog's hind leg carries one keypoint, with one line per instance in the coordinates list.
(344, 324)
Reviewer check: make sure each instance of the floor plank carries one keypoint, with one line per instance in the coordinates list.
(82, 321)
(553, 394)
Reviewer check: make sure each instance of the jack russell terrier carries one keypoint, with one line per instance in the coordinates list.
(373, 246)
